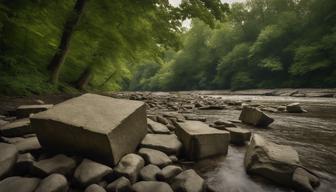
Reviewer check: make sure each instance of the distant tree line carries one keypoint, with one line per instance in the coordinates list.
(261, 44)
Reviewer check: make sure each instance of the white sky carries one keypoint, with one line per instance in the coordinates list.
(186, 23)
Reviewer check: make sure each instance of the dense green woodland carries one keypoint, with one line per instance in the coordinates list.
(70, 45)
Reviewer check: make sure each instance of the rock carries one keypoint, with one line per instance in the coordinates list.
(212, 107)
(200, 141)
(195, 118)
(295, 108)
(270, 109)
(304, 181)
(8, 156)
(30, 144)
(173, 158)
(94, 188)
(254, 116)
(53, 183)
(117, 126)
(25, 110)
(155, 157)
(238, 135)
(19, 184)
(58, 164)
(173, 115)
(147, 186)
(24, 162)
(168, 172)
(155, 127)
(162, 120)
(270, 160)
(225, 123)
(188, 181)
(120, 185)
(130, 166)
(17, 128)
(168, 144)
(281, 108)
(3, 122)
(90, 172)
(148, 173)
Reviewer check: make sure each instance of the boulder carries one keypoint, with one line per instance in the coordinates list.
(58, 164)
(254, 116)
(200, 141)
(168, 144)
(122, 184)
(270, 160)
(188, 181)
(30, 144)
(162, 120)
(304, 181)
(295, 108)
(155, 157)
(156, 127)
(168, 172)
(94, 188)
(195, 118)
(117, 126)
(238, 135)
(3, 122)
(212, 107)
(17, 128)
(130, 166)
(25, 110)
(24, 162)
(53, 183)
(90, 172)
(19, 184)
(148, 173)
(8, 156)
(147, 186)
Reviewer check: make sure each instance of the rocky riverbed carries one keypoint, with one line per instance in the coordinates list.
(308, 127)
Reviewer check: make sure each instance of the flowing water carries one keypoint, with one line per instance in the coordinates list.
(312, 134)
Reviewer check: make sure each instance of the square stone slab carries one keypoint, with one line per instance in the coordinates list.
(200, 141)
(93, 125)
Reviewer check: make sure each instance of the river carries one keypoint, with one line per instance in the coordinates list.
(312, 134)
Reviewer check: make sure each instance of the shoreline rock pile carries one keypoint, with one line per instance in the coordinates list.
(96, 143)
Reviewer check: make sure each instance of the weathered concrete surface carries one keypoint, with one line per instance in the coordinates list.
(26, 110)
(113, 127)
(200, 141)
(275, 162)
(254, 116)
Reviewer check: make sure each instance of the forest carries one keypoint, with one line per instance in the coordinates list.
(70, 45)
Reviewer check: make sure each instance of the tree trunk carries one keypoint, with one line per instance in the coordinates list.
(84, 78)
(63, 48)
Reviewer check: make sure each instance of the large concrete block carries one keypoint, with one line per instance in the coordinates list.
(200, 141)
(254, 116)
(92, 125)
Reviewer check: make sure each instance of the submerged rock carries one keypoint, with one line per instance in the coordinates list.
(254, 116)
(115, 125)
(278, 163)
(295, 108)
(200, 141)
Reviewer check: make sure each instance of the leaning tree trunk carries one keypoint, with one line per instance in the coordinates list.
(63, 48)
(84, 78)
